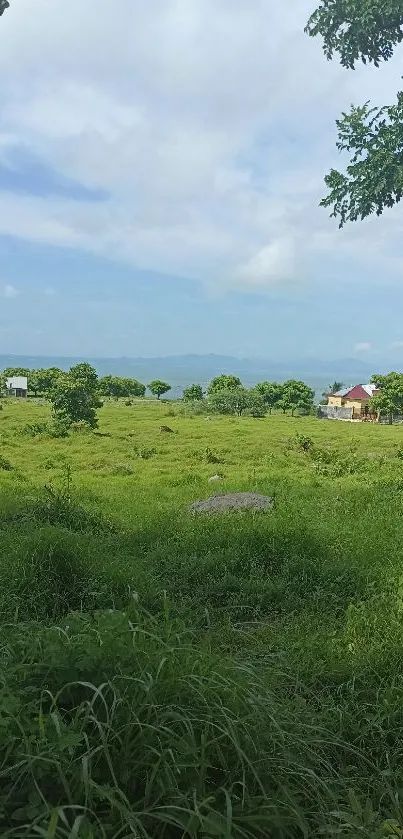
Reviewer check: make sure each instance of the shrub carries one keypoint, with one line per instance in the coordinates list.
(60, 426)
(147, 454)
(211, 457)
(35, 429)
(5, 464)
(121, 469)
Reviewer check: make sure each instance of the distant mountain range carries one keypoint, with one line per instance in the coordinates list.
(182, 370)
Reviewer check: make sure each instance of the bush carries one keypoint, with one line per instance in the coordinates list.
(5, 464)
(60, 426)
(35, 429)
(121, 469)
(147, 454)
(211, 457)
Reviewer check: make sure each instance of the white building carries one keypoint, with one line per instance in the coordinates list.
(17, 386)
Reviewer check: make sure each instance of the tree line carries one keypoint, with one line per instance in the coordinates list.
(227, 395)
(77, 394)
(43, 381)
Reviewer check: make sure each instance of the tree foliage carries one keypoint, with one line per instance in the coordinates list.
(158, 388)
(75, 397)
(271, 392)
(389, 402)
(42, 381)
(335, 387)
(296, 395)
(193, 393)
(16, 371)
(223, 382)
(4, 4)
(119, 386)
(367, 31)
(237, 401)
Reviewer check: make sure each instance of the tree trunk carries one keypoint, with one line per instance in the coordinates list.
(390, 419)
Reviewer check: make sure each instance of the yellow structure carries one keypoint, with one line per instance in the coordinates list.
(357, 398)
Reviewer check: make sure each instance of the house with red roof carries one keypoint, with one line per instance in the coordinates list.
(357, 398)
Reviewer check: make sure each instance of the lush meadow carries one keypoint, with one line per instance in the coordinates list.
(165, 675)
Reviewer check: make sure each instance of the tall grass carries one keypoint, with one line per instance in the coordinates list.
(119, 724)
(165, 676)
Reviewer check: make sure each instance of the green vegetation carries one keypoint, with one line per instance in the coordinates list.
(237, 401)
(223, 382)
(271, 393)
(118, 386)
(389, 401)
(158, 388)
(165, 675)
(367, 31)
(75, 398)
(193, 392)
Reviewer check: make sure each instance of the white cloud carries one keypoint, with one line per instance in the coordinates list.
(210, 128)
(272, 264)
(9, 291)
(363, 346)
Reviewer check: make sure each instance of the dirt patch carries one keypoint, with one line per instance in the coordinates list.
(233, 501)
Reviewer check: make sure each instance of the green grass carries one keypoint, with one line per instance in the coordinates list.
(164, 675)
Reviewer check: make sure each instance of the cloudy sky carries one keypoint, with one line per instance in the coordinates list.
(161, 165)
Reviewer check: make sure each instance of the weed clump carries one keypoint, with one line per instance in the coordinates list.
(5, 464)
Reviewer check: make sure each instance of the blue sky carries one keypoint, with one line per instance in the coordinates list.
(165, 200)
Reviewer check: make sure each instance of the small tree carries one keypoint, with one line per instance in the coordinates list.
(296, 395)
(237, 402)
(158, 388)
(85, 375)
(271, 393)
(75, 398)
(223, 382)
(43, 380)
(118, 386)
(335, 387)
(389, 402)
(193, 393)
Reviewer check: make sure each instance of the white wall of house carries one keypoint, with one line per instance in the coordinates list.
(17, 383)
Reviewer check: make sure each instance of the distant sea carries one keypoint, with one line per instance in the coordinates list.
(181, 371)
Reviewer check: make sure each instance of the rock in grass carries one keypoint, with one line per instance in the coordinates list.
(233, 501)
(214, 479)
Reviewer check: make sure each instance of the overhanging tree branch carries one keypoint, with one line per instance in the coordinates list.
(368, 31)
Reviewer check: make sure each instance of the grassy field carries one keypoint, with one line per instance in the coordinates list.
(164, 675)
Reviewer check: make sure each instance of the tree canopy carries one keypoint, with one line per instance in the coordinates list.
(193, 393)
(367, 31)
(4, 4)
(296, 395)
(119, 386)
(389, 402)
(223, 382)
(237, 401)
(158, 388)
(75, 398)
(271, 393)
